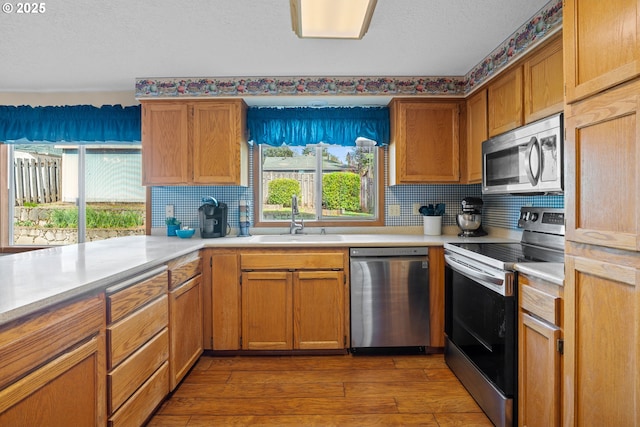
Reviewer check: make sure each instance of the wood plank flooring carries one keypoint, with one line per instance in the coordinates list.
(345, 390)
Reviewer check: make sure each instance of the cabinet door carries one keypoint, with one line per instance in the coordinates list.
(477, 132)
(602, 304)
(601, 45)
(602, 174)
(225, 300)
(539, 378)
(318, 310)
(543, 82)
(425, 142)
(68, 391)
(185, 328)
(505, 100)
(218, 146)
(165, 143)
(267, 310)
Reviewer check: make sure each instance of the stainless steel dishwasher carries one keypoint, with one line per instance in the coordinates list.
(389, 298)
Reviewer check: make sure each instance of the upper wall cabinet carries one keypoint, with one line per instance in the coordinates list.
(477, 132)
(424, 142)
(505, 100)
(194, 142)
(602, 45)
(602, 149)
(543, 83)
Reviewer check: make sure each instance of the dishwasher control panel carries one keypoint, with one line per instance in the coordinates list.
(390, 251)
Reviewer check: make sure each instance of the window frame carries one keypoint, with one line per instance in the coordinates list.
(6, 210)
(257, 197)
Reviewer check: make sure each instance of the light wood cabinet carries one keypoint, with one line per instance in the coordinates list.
(436, 296)
(300, 308)
(477, 133)
(602, 199)
(543, 82)
(601, 45)
(222, 299)
(602, 302)
(425, 141)
(137, 347)
(539, 353)
(52, 367)
(194, 142)
(602, 178)
(267, 310)
(185, 316)
(505, 101)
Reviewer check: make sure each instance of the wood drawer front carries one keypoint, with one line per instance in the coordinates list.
(184, 272)
(122, 303)
(127, 335)
(293, 261)
(26, 345)
(124, 380)
(541, 304)
(141, 405)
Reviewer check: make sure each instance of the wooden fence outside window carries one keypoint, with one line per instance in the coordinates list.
(37, 180)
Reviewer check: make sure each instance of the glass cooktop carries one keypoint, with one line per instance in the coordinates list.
(504, 255)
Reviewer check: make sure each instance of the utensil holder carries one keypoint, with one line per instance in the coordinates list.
(432, 225)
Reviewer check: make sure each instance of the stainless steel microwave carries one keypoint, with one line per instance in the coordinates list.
(526, 160)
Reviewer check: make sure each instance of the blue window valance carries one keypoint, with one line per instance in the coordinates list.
(76, 123)
(301, 126)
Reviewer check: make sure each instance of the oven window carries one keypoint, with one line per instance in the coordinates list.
(481, 323)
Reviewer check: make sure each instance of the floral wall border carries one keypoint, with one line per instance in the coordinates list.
(541, 26)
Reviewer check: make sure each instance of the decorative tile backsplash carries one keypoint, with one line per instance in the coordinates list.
(499, 210)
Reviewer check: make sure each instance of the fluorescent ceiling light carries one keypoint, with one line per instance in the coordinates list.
(342, 19)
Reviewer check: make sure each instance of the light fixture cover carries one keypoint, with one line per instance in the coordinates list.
(342, 19)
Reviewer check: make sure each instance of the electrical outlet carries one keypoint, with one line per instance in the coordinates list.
(168, 211)
(416, 208)
(394, 210)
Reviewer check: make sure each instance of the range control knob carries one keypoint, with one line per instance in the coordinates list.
(533, 216)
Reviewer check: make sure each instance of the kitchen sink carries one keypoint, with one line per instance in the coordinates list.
(284, 238)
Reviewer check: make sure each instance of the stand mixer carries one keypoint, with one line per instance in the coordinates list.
(470, 220)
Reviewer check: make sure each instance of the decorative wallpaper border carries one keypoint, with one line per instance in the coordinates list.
(292, 86)
(540, 26)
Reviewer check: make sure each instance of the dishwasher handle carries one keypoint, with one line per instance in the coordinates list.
(424, 259)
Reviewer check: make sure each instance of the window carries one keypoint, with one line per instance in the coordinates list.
(334, 185)
(68, 193)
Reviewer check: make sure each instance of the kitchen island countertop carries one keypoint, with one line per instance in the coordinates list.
(35, 280)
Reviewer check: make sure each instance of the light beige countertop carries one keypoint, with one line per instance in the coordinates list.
(550, 271)
(31, 281)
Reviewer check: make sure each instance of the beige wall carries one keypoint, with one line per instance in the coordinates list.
(97, 99)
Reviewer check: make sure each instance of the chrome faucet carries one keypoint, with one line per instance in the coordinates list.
(295, 227)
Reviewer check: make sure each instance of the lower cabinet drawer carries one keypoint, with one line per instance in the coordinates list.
(127, 335)
(541, 304)
(124, 380)
(141, 405)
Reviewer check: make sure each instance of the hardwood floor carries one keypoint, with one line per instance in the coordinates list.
(414, 390)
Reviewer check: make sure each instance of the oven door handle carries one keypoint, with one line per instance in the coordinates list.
(491, 282)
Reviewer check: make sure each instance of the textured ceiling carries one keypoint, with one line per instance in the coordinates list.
(79, 45)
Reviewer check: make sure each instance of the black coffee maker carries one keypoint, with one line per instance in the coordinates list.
(213, 218)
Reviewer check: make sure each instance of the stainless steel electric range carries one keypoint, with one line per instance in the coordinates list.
(481, 308)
